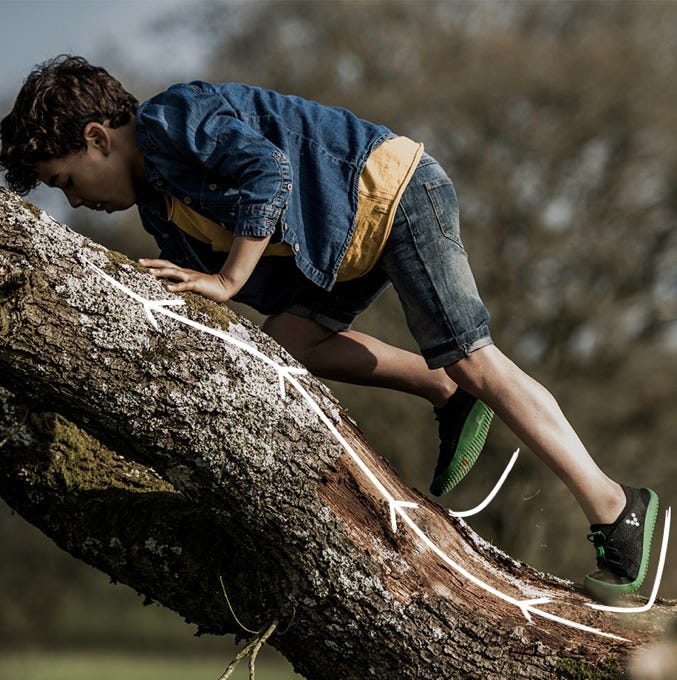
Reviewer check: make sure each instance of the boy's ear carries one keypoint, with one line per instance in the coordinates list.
(98, 136)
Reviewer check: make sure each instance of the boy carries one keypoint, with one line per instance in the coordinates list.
(307, 213)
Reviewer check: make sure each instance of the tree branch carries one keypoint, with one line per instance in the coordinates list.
(174, 459)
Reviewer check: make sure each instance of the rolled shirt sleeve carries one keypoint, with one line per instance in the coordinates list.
(208, 133)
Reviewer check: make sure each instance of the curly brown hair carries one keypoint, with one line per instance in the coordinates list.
(57, 100)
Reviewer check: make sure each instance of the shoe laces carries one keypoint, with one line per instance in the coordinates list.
(608, 555)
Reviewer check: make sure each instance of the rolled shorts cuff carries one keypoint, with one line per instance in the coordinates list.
(457, 349)
(335, 325)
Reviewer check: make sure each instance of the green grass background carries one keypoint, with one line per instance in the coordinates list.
(63, 620)
(121, 666)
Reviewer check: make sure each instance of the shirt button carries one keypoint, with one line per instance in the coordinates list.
(186, 200)
(286, 227)
(158, 182)
(212, 187)
(297, 247)
(289, 186)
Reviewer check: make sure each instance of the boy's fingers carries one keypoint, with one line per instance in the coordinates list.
(146, 262)
(169, 272)
(179, 287)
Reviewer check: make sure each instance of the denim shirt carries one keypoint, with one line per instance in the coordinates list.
(259, 163)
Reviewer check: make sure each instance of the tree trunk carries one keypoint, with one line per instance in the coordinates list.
(173, 456)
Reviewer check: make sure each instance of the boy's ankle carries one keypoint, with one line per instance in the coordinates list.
(445, 392)
(611, 504)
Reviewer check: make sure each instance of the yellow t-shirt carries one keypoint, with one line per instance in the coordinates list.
(382, 183)
(208, 231)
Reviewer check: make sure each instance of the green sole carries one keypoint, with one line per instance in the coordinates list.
(470, 444)
(596, 587)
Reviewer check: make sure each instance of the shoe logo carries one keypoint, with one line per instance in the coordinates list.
(632, 520)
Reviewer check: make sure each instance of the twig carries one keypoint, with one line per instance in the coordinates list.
(261, 641)
(251, 650)
(225, 594)
(241, 655)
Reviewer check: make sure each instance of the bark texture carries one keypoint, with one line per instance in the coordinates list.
(168, 459)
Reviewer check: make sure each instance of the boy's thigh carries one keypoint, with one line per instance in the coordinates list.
(295, 333)
(426, 262)
(337, 309)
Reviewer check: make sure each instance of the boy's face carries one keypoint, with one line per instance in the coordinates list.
(100, 178)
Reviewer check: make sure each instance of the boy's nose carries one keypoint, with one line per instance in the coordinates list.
(74, 201)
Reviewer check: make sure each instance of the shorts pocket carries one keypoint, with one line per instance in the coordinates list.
(444, 203)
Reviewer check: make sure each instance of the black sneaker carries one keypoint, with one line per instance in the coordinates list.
(463, 426)
(623, 547)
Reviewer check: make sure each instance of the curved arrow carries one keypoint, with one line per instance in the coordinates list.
(492, 493)
(396, 507)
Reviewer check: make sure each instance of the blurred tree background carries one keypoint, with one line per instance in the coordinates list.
(556, 122)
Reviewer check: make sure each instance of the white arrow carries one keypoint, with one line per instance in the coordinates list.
(526, 606)
(160, 306)
(284, 373)
(572, 624)
(492, 493)
(395, 508)
(148, 307)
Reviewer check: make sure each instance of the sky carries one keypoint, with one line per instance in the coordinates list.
(34, 30)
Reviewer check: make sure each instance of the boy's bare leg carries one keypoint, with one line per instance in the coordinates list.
(526, 407)
(358, 358)
(532, 413)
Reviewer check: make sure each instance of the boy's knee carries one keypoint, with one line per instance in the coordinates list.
(299, 336)
(465, 375)
(479, 371)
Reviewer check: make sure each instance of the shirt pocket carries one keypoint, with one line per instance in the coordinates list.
(444, 205)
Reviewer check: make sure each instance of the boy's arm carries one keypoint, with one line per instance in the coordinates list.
(245, 253)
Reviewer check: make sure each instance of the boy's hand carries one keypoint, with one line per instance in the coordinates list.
(213, 286)
(242, 258)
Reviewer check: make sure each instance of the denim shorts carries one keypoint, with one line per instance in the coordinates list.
(425, 261)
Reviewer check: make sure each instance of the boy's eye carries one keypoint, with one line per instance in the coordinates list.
(69, 183)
